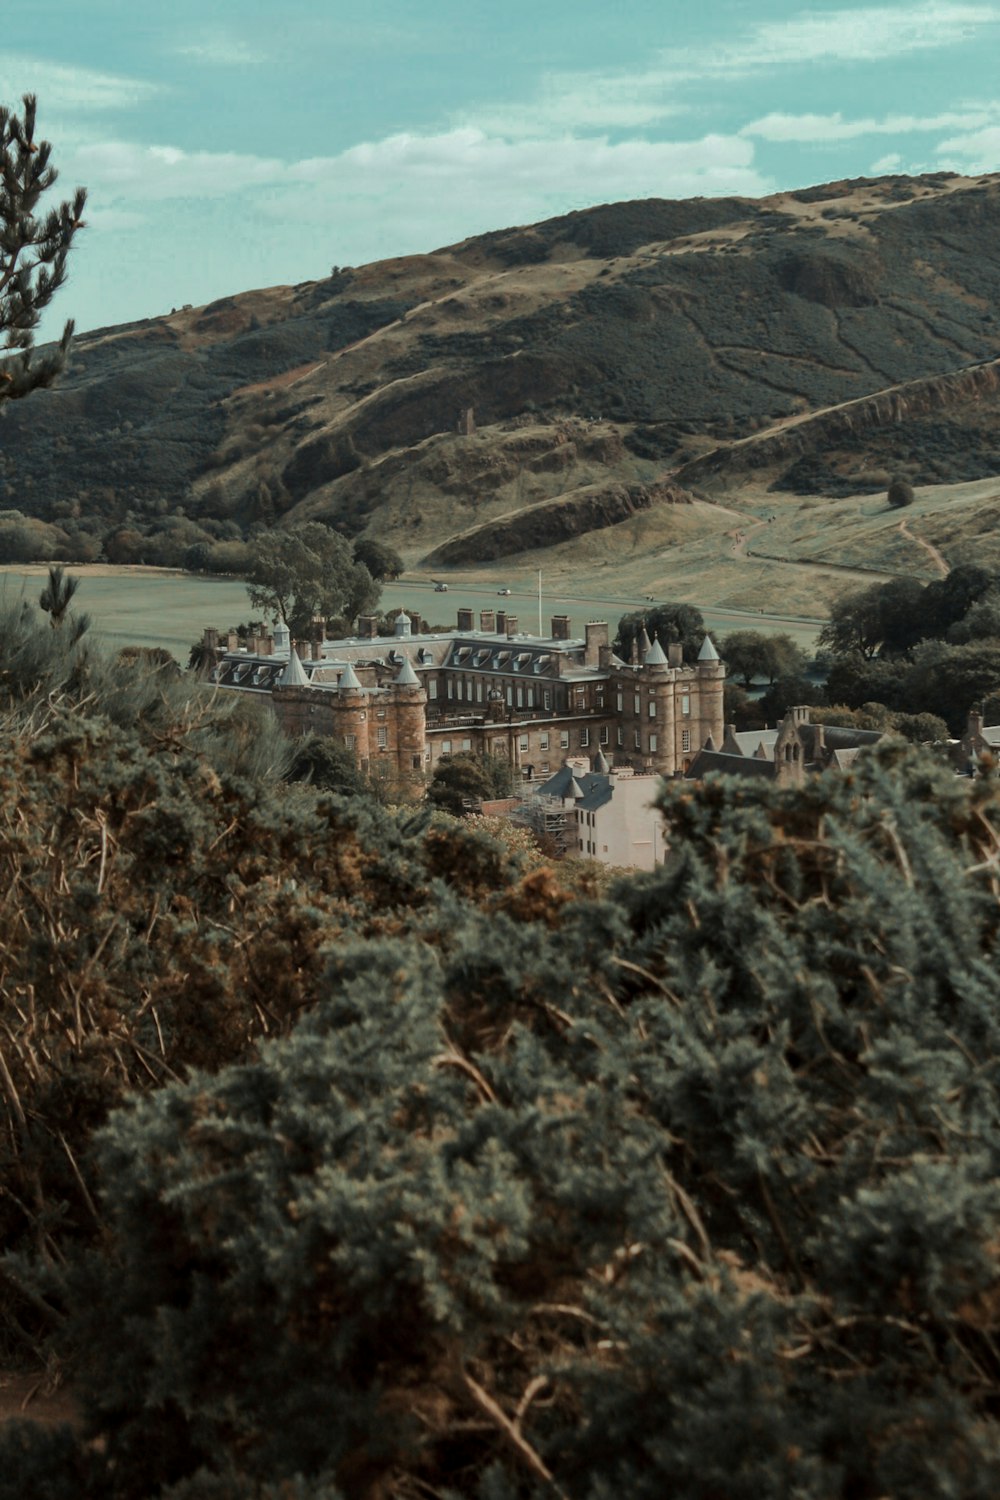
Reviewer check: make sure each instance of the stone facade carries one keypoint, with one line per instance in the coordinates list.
(401, 702)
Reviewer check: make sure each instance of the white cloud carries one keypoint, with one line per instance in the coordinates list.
(891, 162)
(118, 172)
(872, 34)
(600, 100)
(457, 168)
(825, 128)
(220, 49)
(974, 153)
(69, 89)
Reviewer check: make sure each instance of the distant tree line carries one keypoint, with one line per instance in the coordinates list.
(903, 654)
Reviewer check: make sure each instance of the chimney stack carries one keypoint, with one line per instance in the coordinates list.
(560, 627)
(466, 619)
(597, 638)
(487, 621)
(501, 622)
(675, 654)
(511, 626)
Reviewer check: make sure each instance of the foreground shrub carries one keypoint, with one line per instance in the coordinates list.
(692, 1193)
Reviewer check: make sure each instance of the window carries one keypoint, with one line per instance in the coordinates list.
(523, 742)
(652, 744)
(543, 740)
(520, 696)
(652, 708)
(466, 744)
(417, 762)
(637, 703)
(380, 714)
(638, 739)
(446, 747)
(604, 734)
(432, 688)
(564, 739)
(584, 738)
(350, 742)
(547, 698)
(621, 702)
(479, 691)
(686, 704)
(685, 741)
(531, 697)
(383, 737)
(544, 768)
(621, 736)
(510, 697)
(451, 688)
(581, 696)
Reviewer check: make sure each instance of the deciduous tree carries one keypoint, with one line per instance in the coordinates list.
(668, 623)
(308, 571)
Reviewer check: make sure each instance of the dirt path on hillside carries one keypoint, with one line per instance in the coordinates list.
(929, 547)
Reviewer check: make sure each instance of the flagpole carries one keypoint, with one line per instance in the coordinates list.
(539, 601)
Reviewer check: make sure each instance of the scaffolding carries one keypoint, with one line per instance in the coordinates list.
(551, 823)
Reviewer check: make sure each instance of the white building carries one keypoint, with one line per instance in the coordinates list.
(606, 814)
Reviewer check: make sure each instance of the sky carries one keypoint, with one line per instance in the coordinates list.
(232, 144)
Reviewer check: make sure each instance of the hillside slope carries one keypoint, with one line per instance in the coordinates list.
(566, 368)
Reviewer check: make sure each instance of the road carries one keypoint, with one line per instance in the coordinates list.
(409, 592)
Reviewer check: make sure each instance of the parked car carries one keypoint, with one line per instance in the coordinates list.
(503, 591)
(440, 588)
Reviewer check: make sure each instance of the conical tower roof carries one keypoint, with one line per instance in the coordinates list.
(294, 674)
(708, 651)
(575, 790)
(349, 680)
(656, 656)
(406, 677)
(599, 764)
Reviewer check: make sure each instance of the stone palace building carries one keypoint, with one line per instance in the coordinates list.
(401, 702)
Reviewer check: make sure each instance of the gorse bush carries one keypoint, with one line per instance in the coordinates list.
(693, 1191)
(166, 900)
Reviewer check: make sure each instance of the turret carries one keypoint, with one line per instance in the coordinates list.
(408, 708)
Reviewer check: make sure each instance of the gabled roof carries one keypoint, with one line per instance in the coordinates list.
(729, 765)
(588, 789)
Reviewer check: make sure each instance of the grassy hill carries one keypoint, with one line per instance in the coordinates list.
(588, 376)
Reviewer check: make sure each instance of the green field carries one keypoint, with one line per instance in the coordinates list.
(151, 608)
(161, 608)
(154, 608)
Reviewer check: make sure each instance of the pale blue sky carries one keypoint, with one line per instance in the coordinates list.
(230, 144)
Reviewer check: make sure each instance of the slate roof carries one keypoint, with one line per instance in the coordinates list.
(729, 765)
(294, 674)
(589, 789)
